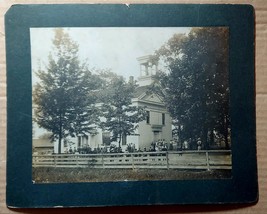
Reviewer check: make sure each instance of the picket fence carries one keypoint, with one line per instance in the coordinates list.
(204, 159)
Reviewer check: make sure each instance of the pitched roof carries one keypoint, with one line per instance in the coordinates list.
(140, 90)
(137, 93)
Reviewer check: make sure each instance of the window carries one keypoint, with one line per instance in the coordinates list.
(106, 138)
(79, 141)
(163, 119)
(86, 140)
(147, 117)
(124, 139)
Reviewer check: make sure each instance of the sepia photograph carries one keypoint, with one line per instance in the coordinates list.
(130, 104)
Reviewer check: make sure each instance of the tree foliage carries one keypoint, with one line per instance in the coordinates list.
(120, 116)
(63, 98)
(195, 87)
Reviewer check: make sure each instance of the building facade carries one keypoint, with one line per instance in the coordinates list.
(156, 127)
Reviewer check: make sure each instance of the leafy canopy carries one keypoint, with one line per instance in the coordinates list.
(120, 116)
(195, 87)
(63, 98)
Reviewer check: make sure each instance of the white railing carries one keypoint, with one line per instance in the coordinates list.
(208, 159)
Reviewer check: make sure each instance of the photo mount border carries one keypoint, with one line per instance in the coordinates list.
(241, 188)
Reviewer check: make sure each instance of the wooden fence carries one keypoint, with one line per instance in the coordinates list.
(209, 159)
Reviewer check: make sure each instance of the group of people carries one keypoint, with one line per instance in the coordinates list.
(71, 150)
(156, 146)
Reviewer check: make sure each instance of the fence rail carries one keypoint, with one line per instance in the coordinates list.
(205, 159)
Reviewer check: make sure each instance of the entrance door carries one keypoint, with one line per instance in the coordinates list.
(156, 136)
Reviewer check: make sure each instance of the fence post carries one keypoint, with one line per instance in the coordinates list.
(103, 164)
(167, 159)
(132, 160)
(33, 160)
(207, 159)
(55, 162)
(77, 160)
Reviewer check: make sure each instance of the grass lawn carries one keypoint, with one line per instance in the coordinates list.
(66, 175)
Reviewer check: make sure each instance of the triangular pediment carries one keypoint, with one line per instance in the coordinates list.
(151, 98)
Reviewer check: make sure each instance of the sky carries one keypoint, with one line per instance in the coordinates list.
(115, 48)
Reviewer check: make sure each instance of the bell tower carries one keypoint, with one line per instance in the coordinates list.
(148, 69)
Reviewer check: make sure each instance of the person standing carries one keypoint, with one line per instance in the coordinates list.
(199, 144)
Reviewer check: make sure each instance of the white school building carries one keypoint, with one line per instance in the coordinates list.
(157, 125)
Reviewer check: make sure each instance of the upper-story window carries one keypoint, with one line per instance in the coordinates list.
(163, 119)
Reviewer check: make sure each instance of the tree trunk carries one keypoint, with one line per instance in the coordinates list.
(226, 133)
(211, 137)
(180, 138)
(205, 137)
(120, 141)
(60, 134)
(59, 144)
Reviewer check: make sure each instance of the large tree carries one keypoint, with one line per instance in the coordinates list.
(121, 118)
(63, 97)
(196, 88)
